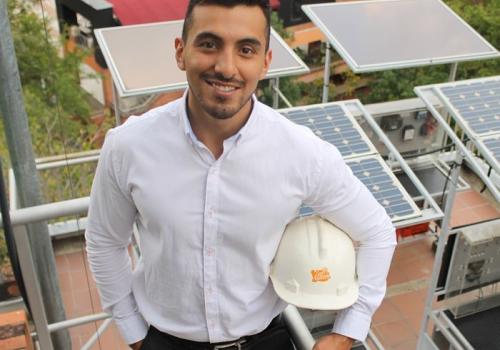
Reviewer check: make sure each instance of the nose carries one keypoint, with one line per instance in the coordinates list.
(225, 64)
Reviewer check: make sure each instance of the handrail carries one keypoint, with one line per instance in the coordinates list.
(49, 211)
(24, 216)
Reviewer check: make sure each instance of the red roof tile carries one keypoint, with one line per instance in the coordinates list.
(149, 11)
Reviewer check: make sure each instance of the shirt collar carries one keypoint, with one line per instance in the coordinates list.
(243, 132)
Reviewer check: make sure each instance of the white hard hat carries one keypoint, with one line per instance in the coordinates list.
(314, 267)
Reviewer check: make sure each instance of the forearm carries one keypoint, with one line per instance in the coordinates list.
(372, 266)
(111, 268)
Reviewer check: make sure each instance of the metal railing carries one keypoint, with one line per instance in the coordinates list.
(22, 217)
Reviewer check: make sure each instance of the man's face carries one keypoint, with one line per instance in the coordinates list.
(224, 57)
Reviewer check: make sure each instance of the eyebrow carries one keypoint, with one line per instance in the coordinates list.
(210, 35)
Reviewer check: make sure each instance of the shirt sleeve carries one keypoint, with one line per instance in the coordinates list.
(342, 199)
(109, 230)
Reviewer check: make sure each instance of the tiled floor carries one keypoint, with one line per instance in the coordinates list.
(80, 296)
(396, 323)
(470, 207)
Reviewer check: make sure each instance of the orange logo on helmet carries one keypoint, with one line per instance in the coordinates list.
(320, 275)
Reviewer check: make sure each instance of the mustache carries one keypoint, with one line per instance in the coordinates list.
(220, 77)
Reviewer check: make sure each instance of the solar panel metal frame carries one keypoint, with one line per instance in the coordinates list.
(477, 139)
(351, 118)
(432, 96)
(309, 10)
(123, 91)
(488, 153)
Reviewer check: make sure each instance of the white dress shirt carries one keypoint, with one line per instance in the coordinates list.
(209, 228)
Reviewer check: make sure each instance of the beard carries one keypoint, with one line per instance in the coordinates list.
(222, 108)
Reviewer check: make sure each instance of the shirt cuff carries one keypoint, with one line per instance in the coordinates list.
(353, 324)
(132, 328)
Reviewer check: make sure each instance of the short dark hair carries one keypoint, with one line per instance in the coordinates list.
(263, 4)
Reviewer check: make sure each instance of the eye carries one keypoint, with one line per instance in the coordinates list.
(247, 50)
(208, 44)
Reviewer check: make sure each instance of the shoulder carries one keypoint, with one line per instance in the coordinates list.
(159, 119)
(271, 118)
(278, 128)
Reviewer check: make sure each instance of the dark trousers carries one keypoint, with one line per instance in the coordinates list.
(274, 337)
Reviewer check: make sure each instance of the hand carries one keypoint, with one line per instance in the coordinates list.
(137, 345)
(333, 341)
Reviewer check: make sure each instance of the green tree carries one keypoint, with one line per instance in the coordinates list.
(288, 85)
(57, 107)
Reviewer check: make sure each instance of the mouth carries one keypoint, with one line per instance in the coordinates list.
(222, 88)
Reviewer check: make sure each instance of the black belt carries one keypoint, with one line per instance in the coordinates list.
(229, 345)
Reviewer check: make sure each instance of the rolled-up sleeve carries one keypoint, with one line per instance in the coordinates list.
(109, 230)
(341, 198)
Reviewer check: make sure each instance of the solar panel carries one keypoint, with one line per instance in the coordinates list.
(437, 35)
(476, 104)
(334, 124)
(153, 69)
(374, 174)
(492, 146)
(379, 179)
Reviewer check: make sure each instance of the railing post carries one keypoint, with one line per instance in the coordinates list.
(32, 287)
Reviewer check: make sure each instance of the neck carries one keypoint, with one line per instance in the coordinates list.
(212, 131)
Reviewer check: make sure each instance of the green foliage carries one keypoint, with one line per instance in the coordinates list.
(288, 86)
(291, 88)
(279, 27)
(56, 105)
(398, 84)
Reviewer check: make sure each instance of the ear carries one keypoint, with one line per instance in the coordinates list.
(267, 63)
(179, 53)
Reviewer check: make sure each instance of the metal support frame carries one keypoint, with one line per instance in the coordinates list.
(422, 93)
(102, 328)
(33, 290)
(453, 71)
(116, 104)
(375, 341)
(438, 258)
(67, 162)
(437, 212)
(454, 330)
(301, 336)
(282, 96)
(78, 321)
(447, 334)
(275, 87)
(21, 217)
(326, 76)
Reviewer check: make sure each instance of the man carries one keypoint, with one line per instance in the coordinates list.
(211, 180)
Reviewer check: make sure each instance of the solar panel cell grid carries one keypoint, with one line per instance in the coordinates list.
(332, 124)
(493, 145)
(477, 104)
(384, 187)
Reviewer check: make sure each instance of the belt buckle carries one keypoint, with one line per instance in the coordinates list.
(236, 343)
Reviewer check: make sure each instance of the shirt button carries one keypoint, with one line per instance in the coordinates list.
(210, 252)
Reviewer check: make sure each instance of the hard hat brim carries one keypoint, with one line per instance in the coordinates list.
(316, 302)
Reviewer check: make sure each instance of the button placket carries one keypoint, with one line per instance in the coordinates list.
(209, 249)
